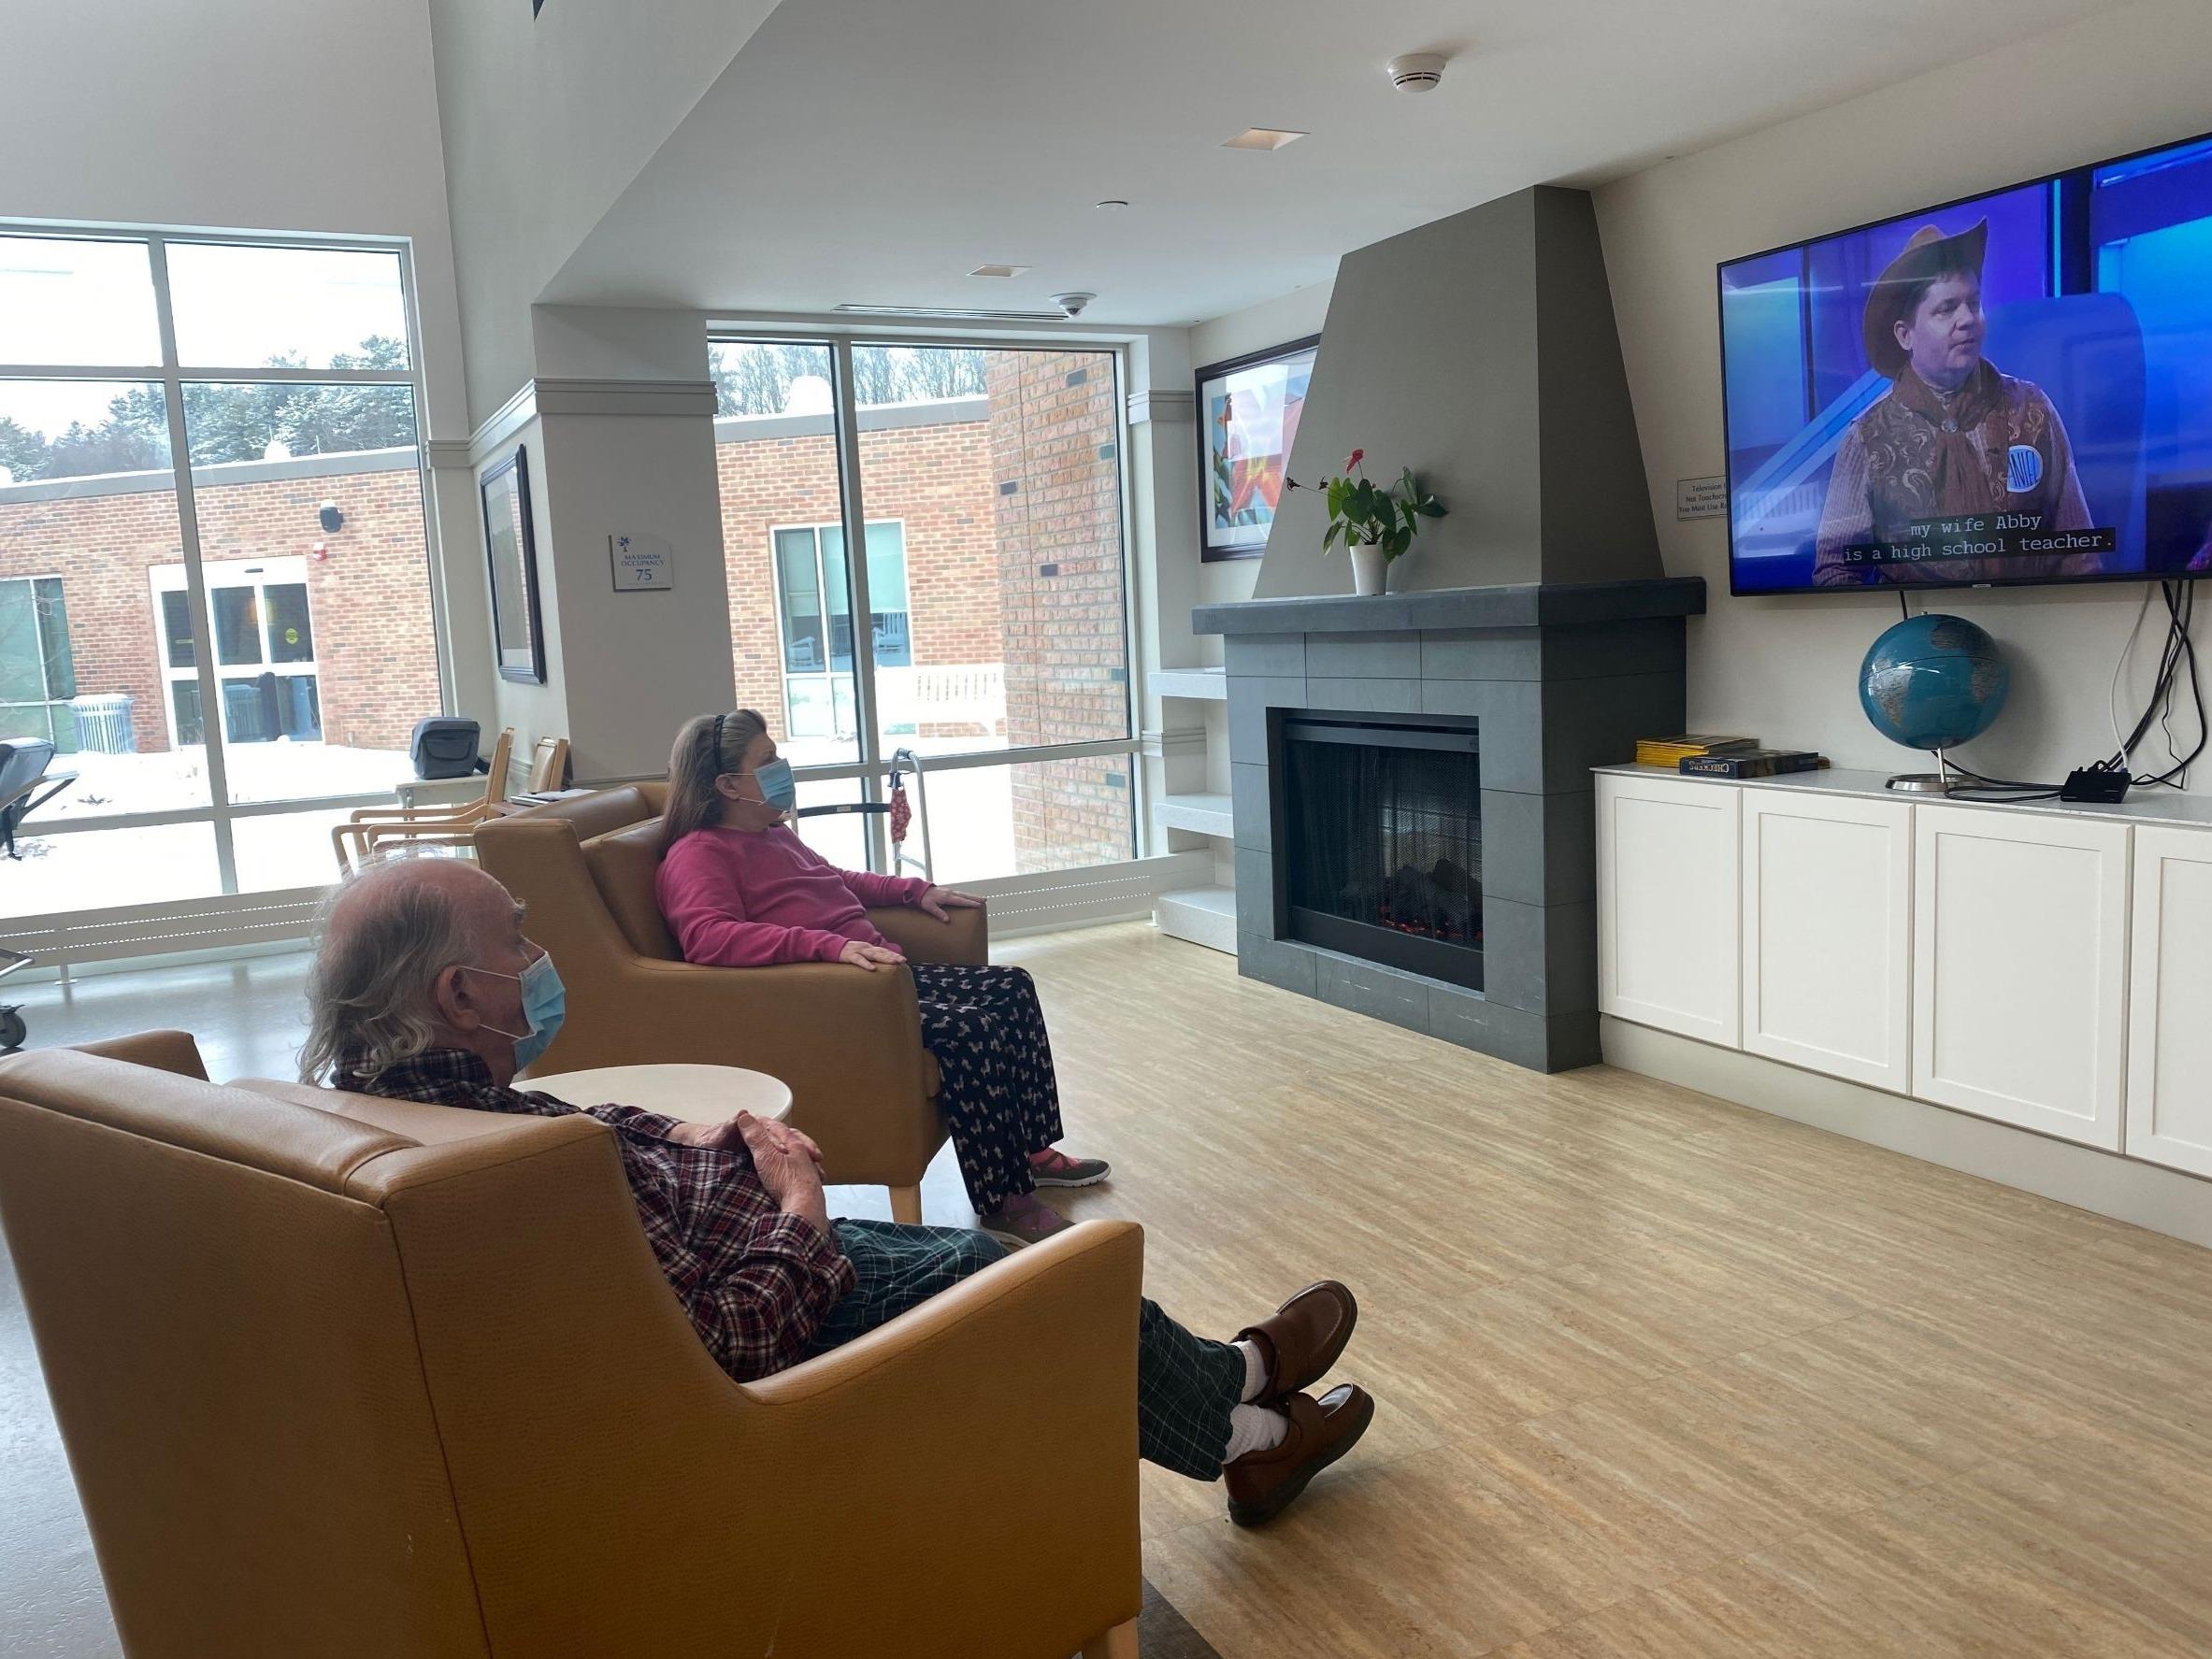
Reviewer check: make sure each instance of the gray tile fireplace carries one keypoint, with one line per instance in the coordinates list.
(1411, 793)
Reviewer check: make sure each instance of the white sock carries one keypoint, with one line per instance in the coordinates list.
(1254, 1428)
(1256, 1372)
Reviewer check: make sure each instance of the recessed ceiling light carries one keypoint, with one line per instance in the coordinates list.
(1113, 202)
(1262, 138)
(997, 270)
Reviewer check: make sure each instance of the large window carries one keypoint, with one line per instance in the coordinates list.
(215, 590)
(995, 634)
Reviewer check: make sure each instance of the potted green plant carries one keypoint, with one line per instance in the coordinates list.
(1376, 523)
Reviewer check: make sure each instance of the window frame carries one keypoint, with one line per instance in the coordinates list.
(172, 375)
(869, 769)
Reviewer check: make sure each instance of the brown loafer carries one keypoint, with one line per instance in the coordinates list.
(1262, 1483)
(1303, 1337)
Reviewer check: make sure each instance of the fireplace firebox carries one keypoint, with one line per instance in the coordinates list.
(1379, 840)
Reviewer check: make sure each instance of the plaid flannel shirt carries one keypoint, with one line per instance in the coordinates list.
(755, 1283)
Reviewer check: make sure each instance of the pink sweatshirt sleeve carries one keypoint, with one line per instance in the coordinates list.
(703, 899)
(870, 888)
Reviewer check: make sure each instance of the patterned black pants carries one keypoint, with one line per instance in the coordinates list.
(998, 1096)
(1186, 1386)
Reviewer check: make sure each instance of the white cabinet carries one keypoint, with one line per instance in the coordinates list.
(2170, 1000)
(1667, 903)
(1828, 933)
(2020, 982)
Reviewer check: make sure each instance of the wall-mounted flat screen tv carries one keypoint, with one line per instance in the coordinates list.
(2013, 388)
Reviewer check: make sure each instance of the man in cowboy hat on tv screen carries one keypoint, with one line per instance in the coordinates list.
(1951, 437)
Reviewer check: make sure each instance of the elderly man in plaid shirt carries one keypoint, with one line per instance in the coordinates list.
(426, 988)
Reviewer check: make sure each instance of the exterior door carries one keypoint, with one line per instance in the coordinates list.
(265, 652)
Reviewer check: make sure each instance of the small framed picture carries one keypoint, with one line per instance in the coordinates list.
(1247, 410)
(517, 635)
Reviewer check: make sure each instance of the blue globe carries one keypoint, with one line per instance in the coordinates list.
(1934, 682)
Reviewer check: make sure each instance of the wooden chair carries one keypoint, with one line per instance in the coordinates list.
(549, 765)
(354, 840)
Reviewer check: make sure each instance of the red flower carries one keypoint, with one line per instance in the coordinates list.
(1354, 459)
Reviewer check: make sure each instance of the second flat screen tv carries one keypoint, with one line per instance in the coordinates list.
(2014, 388)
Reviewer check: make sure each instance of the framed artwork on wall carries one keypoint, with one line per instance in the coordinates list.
(517, 636)
(1247, 416)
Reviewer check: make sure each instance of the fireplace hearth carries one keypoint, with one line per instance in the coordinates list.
(1381, 842)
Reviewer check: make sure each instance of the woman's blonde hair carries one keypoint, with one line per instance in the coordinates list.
(708, 746)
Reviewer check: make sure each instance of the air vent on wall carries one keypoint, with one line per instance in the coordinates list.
(954, 313)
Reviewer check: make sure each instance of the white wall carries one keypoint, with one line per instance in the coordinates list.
(546, 122)
(1784, 668)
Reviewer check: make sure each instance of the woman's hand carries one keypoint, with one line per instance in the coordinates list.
(870, 957)
(938, 900)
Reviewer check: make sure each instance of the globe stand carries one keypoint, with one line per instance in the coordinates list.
(1938, 782)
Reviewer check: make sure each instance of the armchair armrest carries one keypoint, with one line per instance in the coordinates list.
(964, 938)
(848, 1042)
(1029, 1365)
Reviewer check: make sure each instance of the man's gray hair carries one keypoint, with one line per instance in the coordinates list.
(368, 996)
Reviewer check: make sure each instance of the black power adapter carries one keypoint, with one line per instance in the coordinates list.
(2106, 784)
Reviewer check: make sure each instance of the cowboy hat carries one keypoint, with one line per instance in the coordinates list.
(1927, 255)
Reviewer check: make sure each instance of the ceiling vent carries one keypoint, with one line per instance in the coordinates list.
(1262, 138)
(997, 270)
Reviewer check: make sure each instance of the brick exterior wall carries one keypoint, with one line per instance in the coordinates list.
(368, 603)
(1053, 438)
(935, 481)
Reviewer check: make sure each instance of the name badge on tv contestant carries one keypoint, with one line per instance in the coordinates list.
(2023, 468)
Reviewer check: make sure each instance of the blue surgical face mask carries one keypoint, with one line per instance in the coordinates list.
(777, 786)
(545, 1005)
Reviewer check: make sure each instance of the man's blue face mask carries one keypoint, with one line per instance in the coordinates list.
(545, 1005)
(777, 786)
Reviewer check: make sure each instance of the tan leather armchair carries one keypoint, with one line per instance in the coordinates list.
(848, 1043)
(370, 1377)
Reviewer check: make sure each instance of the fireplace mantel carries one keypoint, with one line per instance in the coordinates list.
(1517, 605)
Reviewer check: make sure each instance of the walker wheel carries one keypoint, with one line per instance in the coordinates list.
(12, 1031)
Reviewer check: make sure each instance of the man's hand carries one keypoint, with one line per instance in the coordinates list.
(789, 1165)
(938, 900)
(870, 957)
(722, 1135)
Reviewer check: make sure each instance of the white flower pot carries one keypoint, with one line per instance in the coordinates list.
(1370, 569)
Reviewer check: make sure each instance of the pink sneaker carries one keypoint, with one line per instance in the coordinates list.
(1023, 1220)
(1051, 1168)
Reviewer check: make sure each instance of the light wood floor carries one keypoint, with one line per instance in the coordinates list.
(1657, 1376)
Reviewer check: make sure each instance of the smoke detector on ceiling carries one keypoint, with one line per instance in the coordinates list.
(1416, 71)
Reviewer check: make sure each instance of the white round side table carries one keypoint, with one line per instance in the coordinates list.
(696, 1093)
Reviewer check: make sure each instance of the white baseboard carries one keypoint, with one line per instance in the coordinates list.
(2126, 1189)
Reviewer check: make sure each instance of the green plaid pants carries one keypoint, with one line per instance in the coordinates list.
(1186, 1386)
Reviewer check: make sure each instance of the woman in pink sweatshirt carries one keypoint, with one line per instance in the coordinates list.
(740, 889)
